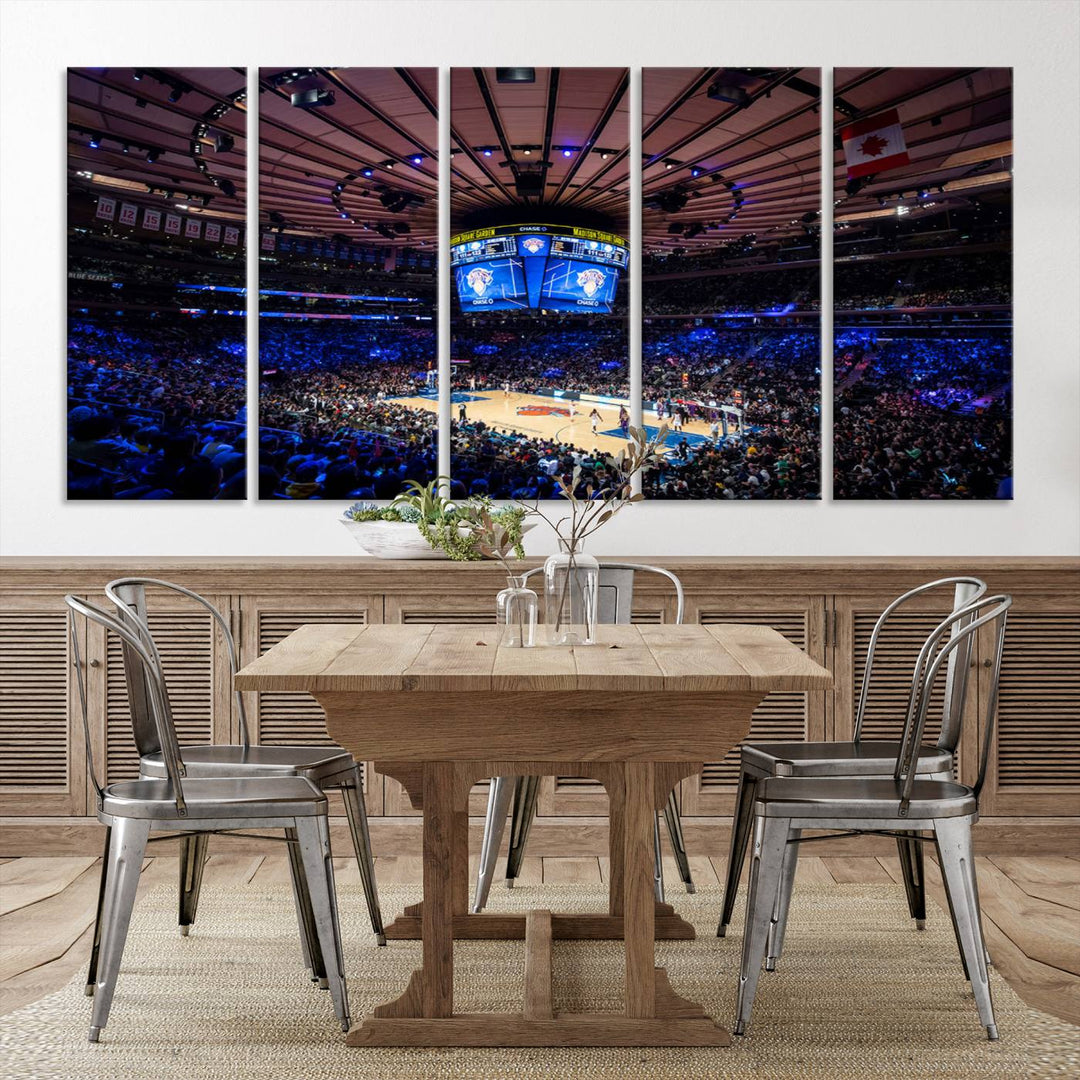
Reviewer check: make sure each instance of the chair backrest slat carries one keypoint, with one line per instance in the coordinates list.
(953, 636)
(144, 655)
(615, 597)
(129, 596)
(965, 591)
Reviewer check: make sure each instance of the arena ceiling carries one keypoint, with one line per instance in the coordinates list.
(363, 166)
(957, 125)
(727, 152)
(138, 133)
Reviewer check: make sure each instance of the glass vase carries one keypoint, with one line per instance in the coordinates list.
(515, 609)
(571, 584)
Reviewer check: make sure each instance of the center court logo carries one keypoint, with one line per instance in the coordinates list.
(479, 279)
(590, 281)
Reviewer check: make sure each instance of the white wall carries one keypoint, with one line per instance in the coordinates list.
(1037, 37)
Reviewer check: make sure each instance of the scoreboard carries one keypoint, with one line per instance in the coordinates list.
(552, 267)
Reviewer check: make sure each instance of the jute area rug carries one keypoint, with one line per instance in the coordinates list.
(859, 994)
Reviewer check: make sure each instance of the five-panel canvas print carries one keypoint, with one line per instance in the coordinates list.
(734, 178)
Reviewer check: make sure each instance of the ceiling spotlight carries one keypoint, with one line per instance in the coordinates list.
(669, 164)
(175, 94)
(417, 159)
(487, 152)
(227, 188)
(125, 148)
(95, 140)
(568, 153)
(527, 152)
(140, 103)
(223, 143)
(138, 75)
(515, 75)
(367, 172)
(343, 214)
(316, 98)
(151, 156)
(695, 171)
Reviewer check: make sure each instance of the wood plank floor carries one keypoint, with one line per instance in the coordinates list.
(1031, 910)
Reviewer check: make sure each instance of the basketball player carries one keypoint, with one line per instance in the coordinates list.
(594, 421)
(506, 389)
(461, 412)
(573, 409)
(472, 383)
(624, 421)
(676, 418)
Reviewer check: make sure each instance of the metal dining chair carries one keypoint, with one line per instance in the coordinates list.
(859, 757)
(614, 603)
(900, 805)
(178, 805)
(327, 767)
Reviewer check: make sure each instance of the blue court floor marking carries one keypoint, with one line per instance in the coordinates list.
(673, 437)
(456, 397)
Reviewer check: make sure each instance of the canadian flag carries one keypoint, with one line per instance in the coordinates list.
(874, 144)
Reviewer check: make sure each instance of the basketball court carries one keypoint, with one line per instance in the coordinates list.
(541, 417)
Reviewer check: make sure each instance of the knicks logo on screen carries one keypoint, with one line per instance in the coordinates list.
(479, 279)
(533, 244)
(590, 281)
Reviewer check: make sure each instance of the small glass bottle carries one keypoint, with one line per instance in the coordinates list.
(515, 609)
(571, 586)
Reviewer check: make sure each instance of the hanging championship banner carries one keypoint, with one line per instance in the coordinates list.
(172, 224)
(268, 242)
(213, 231)
(129, 215)
(151, 219)
(106, 208)
(232, 235)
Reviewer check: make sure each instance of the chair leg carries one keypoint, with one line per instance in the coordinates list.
(95, 949)
(526, 791)
(783, 900)
(658, 862)
(355, 812)
(499, 795)
(309, 942)
(911, 866)
(953, 838)
(741, 826)
(126, 850)
(313, 834)
(766, 865)
(192, 861)
(678, 844)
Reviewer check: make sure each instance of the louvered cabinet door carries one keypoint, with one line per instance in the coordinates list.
(437, 611)
(196, 668)
(297, 719)
(42, 756)
(784, 716)
(895, 655)
(1034, 766)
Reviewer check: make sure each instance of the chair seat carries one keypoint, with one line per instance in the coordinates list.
(314, 762)
(863, 758)
(222, 797)
(846, 797)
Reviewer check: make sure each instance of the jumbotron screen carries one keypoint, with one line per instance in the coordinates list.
(555, 267)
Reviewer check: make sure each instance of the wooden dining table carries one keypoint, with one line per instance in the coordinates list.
(441, 707)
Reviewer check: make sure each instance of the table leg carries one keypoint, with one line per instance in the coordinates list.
(639, 917)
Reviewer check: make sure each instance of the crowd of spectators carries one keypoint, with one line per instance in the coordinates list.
(929, 418)
(156, 408)
(941, 281)
(773, 376)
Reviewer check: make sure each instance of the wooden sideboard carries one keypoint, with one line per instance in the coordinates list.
(827, 606)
